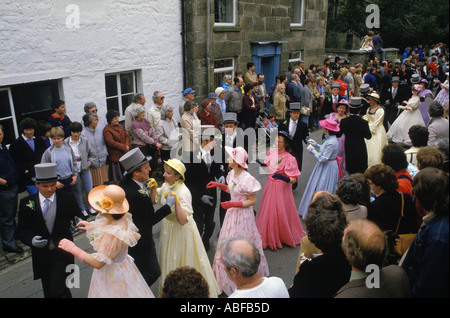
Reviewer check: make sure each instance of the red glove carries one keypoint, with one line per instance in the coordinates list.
(213, 184)
(228, 204)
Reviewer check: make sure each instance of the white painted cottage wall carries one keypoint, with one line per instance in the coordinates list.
(113, 36)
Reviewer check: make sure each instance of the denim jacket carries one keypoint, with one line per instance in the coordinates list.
(426, 263)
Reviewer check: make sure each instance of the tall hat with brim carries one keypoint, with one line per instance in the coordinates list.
(177, 165)
(364, 89)
(239, 155)
(132, 160)
(415, 79)
(329, 124)
(207, 131)
(294, 107)
(395, 79)
(335, 85)
(230, 118)
(45, 172)
(355, 102)
(108, 199)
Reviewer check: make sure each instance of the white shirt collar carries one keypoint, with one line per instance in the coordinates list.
(24, 137)
(42, 198)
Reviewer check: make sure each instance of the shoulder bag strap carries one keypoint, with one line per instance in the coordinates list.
(401, 213)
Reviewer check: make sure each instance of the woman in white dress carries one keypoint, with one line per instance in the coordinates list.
(375, 117)
(410, 116)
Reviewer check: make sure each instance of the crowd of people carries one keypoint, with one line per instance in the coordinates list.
(381, 175)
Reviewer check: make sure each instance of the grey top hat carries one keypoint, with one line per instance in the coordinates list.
(395, 79)
(355, 102)
(230, 118)
(207, 131)
(364, 88)
(132, 160)
(45, 172)
(336, 85)
(294, 107)
(415, 79)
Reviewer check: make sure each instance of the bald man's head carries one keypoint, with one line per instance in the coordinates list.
(364, 243)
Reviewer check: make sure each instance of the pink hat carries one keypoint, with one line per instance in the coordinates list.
(342, 102)
(329, 124)
(239, 155)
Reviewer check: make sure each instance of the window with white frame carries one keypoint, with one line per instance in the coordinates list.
(295, 58)
(225, 12)
(120, 89)
(299, 12)
(221, 68)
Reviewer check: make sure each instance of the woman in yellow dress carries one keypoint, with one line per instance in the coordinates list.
(180, 243)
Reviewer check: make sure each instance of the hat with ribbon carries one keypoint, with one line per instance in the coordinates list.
(239, 155)
(329, 124)
(108, 199)
(177, 165)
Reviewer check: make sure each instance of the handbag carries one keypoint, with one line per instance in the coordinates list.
(403, 241)
(305, 110)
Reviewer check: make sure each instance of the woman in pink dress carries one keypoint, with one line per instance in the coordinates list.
(277, 219)
(115, 275)
(240, 219)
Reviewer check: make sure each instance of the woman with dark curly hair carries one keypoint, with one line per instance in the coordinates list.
(419, 138)
(323, 274)
(185, 282)
(386, 209)
(394, 157)
(350, 191)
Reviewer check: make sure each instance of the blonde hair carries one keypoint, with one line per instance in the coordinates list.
(56, 132)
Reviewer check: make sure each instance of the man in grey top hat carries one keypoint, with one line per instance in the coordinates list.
(140, 192)
(44, 220)
(392, 97)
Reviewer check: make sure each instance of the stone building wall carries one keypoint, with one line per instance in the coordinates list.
(258, 21)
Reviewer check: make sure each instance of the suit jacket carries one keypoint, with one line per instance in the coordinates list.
(144, 215)
(299, 137)
(294, 91)
(398, 99)
(327, 106)
(31, 223)
(322, 276)
(26, 159)
(393, 284)
(356, 130)
(198, 175)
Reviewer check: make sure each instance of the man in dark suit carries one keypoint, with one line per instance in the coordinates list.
(294, 89)
(140, 192)
(27, 151)
(330, 101)
(299, 133)
(200, 170)
(392, 97)
(44, 219)
(356, 130)
(386, 282)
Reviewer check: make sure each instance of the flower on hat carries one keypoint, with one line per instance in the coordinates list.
(105, 203)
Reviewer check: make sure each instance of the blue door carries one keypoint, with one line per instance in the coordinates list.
(266, 56)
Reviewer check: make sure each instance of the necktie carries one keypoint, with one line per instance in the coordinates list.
(230, 141)
(145, 189)
(207, 159)
(394, 92)
(293, 128)
(45, 207)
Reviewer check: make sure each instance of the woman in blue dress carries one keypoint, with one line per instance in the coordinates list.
(325, 174)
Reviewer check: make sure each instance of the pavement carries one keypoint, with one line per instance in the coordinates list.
(16, 269)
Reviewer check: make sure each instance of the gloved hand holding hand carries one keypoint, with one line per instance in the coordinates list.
(70, 247)
(312, 142)
(213, 184)
(172, 198)
(281, 177)
(310, 148)
(222, 180)
(206, 199)
(151, 183)
(228, 204)
(82, 225)
(39, 242)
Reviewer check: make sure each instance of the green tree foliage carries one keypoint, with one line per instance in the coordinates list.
(402, 22)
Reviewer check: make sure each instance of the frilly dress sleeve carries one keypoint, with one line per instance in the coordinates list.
(109, 240)
(291, 167)
(249, 185)
(271, 160)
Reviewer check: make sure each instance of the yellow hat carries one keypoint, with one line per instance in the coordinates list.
(177, 165)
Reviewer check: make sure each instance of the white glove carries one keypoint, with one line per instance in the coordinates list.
(222, 180)
(310, 148)
(39, 242)
(170, 201)
(312, 142)
(206, 199)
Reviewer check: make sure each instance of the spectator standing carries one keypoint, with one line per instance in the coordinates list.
(154, 113)
(59, 117)
(168, 134)
(137, 101)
